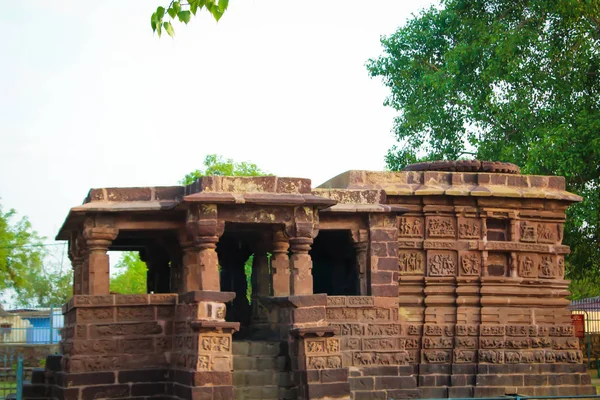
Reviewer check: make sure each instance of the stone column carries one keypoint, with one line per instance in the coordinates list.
(77, 257)
(200, 260)
(98, 238)
(301, 280)
(360, 241)
(280, 265)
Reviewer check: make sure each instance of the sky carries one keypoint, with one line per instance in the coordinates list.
(89, 97)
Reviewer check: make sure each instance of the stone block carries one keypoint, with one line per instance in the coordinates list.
(328, 390)
(433, 392)
(460, 392)
(144, 375)
(334, 375)
(105, 392)
(395, 382)
(370, 395)
(397, 394)
(148, 389)
(362, 383)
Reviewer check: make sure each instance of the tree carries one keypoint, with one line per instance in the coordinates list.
(131, 275)
(217, 165)
(504, 80)
(184, 12)
(51, 286)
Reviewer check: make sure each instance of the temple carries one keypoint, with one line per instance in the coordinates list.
(443, 280)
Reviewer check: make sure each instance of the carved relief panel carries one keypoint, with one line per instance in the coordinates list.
(548, 233)
(528, 265)
(469, 228)
(441, 227)
(410, 227)
(470, 264)
(441, 263)
(411, 262)
(527, 232)
(548, 266)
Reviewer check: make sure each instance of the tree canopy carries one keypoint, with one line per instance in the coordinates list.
(509, 81)
(217, 165)
(182, 11)
(25, 265)
(130, 277)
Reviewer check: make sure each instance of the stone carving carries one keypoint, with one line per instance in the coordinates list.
(449, 330)
(333, 345)
(437, 356)
(360, 301)
(352, 344)
(441, 264)
(440, 227)
(516, 330)
(135, 313)
(379, 344)
(315, 346)
(317, 363)
(547, 267)
(410, 227)
(437, 343)
(433, 330)
(215, 343)
(565, 344)
(517, 343)
(540, 342)
(411, 262)
(470, 264)
(467, 330)
(94, 314)
(547, 233)
(512, 357)
(468, 228)
(466, 342)
(349, 329)
(412, 343)
(528, 232)
(383, 330)
(336, 301)
(334, 362)
(203, 363)
(414, 330)
(492, 330)
(561, 266)
(396, 358)
(527, 265)
(491, 343)
(491, 356)
(464, 356)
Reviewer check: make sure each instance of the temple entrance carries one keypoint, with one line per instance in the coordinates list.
(243, 263)
(334, 260)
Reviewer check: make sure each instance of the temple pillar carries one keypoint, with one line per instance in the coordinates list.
(301, 280)
(77, 257)
(95, 275)
(360, 241)
(280, 265)
(199, 242)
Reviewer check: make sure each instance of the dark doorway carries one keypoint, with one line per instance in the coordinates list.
(334, 264)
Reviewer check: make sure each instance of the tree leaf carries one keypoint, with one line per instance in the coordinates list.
(169, 29)
(184, 16)
(159, 29)
(223, 4)
(176, 7)
(153, 22)
(171, 11)
(160, 12)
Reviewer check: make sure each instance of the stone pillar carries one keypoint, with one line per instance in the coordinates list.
(280, 265)
(95, 277)
(360, 241)
(77, 257)
(384, 269)
(200, 260)
(301, 280)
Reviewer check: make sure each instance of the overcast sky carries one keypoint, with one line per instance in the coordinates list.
(90, 98)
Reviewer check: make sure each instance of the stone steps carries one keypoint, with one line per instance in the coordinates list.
(261, 371)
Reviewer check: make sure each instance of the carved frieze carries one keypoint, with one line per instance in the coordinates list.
(380, 344)
(565, 344)
(315, 346)
(441, 227)
(492, 330)
(466, 342)
(336, 301)
(436, 356)
(411, 343)
(470, 264)
(383, 330)
(414, 330)
(517, 330)
(491, 343)
(441, 263)
(491, 356)
(219, 343)
(513, 343)
(464, 356)
(391, 358)
(540, 342)
(411, 261)
(469, 228)
(437, 343)
(410, 227)
(432, 330)
(349, 329)
(360, 301)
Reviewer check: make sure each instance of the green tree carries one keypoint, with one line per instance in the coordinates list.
(130, 277)
(504, 80)
(182, 11)
(51, 286)
(217, 165)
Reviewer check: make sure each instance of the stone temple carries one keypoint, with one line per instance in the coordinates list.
(443, 280)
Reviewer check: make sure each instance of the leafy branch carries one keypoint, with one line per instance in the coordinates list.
(183, 12)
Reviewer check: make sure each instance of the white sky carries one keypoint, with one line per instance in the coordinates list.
(90, 98)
